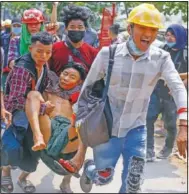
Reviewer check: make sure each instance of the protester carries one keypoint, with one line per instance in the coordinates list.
(17, 139)
(6, 117)
(15, 31)
(32, 22)
(75, 19)
(5, 39)
(73, 48)
(91, 37)
(113, 33)
(55, 130)
(137, 67)
(162, 100)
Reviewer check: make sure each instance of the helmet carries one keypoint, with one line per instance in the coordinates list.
(7, 22)
(146, 15)
(32, 16)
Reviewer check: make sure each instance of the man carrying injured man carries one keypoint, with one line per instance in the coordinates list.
(54, 130)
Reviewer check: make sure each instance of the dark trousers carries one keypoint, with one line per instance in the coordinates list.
(17, 141)
(169, 115)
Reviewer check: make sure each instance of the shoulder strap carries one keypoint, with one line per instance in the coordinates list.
(77, 53)
(112, 50)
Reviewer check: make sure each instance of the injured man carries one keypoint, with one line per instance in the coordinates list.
(52, 119)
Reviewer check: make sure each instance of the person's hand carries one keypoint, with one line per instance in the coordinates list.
(49, 107)
(52, 28)
(55, 3)
(6, 116)
(182, 138)
(11, 64)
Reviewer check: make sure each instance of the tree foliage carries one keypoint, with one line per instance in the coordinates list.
(166, 8)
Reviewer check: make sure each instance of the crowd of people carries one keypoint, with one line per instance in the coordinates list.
(45, 74)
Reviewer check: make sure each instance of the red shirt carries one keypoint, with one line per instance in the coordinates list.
(61, 53)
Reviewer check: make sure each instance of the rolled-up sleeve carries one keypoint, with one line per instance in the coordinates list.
(13, 52)
(18, 83)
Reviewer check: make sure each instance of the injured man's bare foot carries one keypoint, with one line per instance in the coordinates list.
(73, 165)
(39, 144)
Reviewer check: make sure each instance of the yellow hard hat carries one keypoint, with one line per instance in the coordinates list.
(146, 15)
(7, 22)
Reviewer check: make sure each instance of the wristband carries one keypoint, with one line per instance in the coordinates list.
(183, 125)
(181, 110)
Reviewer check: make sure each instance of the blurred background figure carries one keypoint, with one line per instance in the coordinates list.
(161, 99)
(113, 33)
(2, 26)
(91, 36)
(16, 27)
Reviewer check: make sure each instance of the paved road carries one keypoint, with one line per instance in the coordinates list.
(160, 177)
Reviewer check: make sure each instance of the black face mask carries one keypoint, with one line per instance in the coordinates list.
(76, 36)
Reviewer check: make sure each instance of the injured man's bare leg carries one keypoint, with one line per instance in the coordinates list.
(32, 109)
(75, 164)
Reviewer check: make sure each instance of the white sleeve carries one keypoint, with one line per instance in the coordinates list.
(97, 71)
(175, 84)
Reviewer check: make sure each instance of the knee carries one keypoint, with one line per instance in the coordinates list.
(135, 173)
(33, 94)
(170, 125)
(104, 176)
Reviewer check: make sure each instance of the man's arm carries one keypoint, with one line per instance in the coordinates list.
(19, 80)
(13, 52)
(5, 115)
(183, 76)
(54, 12)
(179, 94)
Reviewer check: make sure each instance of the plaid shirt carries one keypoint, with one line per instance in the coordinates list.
(19, 82)
(132, 82)
(13, 52)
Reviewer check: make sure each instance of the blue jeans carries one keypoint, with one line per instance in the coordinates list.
(169, 116)
(133, 149)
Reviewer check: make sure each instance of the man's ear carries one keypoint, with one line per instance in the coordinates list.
(129, 29)
(30, 48)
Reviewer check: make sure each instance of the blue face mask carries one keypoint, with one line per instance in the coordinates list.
(17, 30)
(170, 44)
(133, 48)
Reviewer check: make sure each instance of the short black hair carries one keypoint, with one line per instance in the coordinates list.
(43, 37)
(74, 12)
(115, 28)
(76, 66)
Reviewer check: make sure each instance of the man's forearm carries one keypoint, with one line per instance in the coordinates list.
(2, 100)
(183, 75)
(54, 13)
